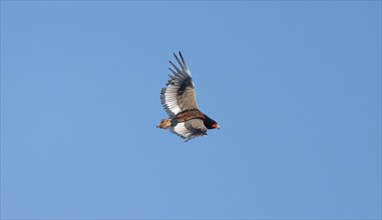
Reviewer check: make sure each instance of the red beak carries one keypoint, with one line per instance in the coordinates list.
(216, 126)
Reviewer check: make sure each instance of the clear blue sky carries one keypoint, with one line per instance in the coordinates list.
(295, 87)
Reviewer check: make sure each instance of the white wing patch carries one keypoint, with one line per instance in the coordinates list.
(169, 99)
(181, 130)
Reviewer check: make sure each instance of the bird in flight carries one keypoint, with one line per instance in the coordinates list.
(178, 99)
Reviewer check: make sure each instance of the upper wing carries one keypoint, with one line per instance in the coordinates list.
(189, 129)
(179, 95)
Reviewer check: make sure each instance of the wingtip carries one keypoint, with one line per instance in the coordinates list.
(181, 57)
(175, 55)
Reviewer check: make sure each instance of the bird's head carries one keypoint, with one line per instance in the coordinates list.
(215, 125)
(210, 123)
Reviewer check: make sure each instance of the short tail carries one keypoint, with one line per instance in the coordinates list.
(164, 123)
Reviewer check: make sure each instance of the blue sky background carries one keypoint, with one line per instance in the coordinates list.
(295, 87)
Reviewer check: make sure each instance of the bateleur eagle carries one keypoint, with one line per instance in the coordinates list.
(179, 101)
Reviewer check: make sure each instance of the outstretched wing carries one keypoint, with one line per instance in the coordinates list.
(179, 95)
(190, 129)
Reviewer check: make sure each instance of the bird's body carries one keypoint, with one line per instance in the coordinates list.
(179, 101)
